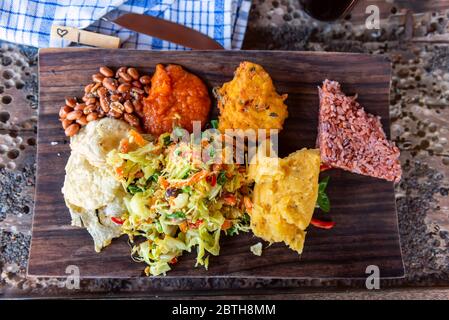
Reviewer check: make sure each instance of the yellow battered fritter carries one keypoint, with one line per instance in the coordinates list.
(284, 197)
(250, 101)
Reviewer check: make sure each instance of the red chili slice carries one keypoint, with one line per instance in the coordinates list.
(196, 224)
(174, 260)
(212, 180)
(322, 224)
(324, 167)
(117, 220)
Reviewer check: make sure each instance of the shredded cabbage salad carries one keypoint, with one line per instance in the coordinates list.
(176, 202)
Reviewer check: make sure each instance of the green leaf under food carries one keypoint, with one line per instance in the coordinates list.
(323, 184)
(323, 201)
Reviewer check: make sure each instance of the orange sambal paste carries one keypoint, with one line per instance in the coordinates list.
(176, 97)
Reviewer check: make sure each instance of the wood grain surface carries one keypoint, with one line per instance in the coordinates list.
(366, 231)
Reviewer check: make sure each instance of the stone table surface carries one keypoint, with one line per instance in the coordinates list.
(414, 34)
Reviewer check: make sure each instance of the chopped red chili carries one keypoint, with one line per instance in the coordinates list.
(174, 260)
(117, 220)
(212, 180)
(322, 224)
(324, 167)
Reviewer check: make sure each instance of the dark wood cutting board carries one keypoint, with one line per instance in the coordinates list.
(366, 231)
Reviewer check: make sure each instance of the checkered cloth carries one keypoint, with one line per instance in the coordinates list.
(29, 21)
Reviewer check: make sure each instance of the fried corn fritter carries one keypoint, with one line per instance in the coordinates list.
(250, 100)
(176, 97)
(284, 197)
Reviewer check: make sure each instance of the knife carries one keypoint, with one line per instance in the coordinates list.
(166, 30)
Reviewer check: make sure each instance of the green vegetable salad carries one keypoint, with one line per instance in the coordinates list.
(176, 203)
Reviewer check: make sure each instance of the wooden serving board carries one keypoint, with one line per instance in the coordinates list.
(366, 231)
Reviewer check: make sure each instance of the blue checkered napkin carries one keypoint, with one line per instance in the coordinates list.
(29, 21)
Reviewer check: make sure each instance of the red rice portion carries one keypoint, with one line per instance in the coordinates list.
(353, 140)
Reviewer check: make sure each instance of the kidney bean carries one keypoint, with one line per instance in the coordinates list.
(89, 109)
(117, 106)
(110, 84)
(80, 107)
(133, 73)
(136, 84)
(131, 119)
(129, 108)
(98, 77)
(111, 94)
(106, 71)
(124, 87)
(126, 77)
(82, 121)
(70, 101)
(64, 111)
(74, 115)
(104, 105)
(92, 116)
(115, 97)
(115, 113)
(96, 86)
(102, 92)
(120, 70)
(145, 79)
(88, 88)
(91, 101)
(72, 129)
(66, 123)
